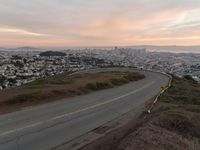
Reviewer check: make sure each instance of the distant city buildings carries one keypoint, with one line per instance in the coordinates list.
(18, 68)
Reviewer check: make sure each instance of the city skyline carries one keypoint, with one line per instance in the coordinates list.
(65, 23)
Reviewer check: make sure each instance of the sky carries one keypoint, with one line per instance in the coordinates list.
(76, 23)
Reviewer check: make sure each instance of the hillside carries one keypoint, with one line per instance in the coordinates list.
(174, 123)
(61, 86)
(52, 53)
(174, 49)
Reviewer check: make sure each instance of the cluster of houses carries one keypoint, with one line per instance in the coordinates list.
(18, 70)
(179, 64)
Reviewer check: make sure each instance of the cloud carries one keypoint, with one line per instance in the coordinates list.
(98, 22)
(19, 32)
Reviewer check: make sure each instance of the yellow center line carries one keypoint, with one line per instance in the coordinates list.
(75, 112)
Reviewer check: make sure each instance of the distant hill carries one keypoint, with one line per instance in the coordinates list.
(52, 53)
(26, 49)
(173, 48)
(2, 48)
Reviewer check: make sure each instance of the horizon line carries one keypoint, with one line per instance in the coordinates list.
(12, 47)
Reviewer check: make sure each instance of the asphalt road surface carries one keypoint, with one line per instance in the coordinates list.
(46, 126)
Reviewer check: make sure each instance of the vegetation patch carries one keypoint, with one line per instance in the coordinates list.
(24, 98)
(52, 53)
(177, 113)
(58, 79)
(195, 109)
(63, 86)
(183, 113)
(183, 91)
(116, 81)
(174, 123)
(98, 86)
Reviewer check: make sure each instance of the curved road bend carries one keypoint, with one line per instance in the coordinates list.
(46, 126)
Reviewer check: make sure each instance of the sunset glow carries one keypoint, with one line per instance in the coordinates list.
(63, 23)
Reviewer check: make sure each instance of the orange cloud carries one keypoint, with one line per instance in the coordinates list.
(100, 23)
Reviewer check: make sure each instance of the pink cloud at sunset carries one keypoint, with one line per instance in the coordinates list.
(99, 22)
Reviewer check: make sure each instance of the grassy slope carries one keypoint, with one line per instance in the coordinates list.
(174, 123)
(62, 86)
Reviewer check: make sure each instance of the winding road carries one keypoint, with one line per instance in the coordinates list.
(46, 126)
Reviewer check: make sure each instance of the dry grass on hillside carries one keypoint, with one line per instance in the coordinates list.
(62, 86)
(174, 123)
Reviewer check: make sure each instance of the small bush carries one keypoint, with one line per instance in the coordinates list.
(24, 98)
(91, 86)
(102, 85)
(175, 121)
(133, 77)
(98, 86)
(117, 81)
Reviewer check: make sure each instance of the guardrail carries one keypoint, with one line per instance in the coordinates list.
(162, 90)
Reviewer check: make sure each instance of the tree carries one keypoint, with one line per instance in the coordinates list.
(188, 77)
(2, 79)
(19, 64)
(52, 53)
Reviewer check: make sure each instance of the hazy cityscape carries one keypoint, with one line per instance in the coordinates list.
(99, 75)
(18, 67)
